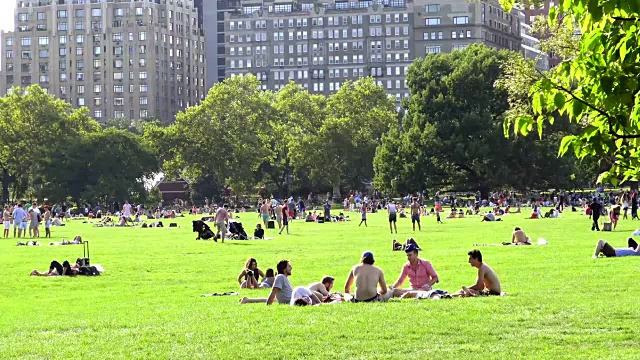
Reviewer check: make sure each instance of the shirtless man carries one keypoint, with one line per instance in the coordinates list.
(6, 221)
(47, 222)
(519, 237)
(415, 214)
(322, 289)
(264, 211)
(367, 277)
(487, 283)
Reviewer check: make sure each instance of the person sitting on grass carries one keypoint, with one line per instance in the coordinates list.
(367, 277)
(602, 247)
(421, 274)
(452, 215)
(281, 290)
(323, 288)
(519, 237)
(460, 214)
(267, 281)
(258, 233)
(310, 217)
(487, 282)
(250, 275)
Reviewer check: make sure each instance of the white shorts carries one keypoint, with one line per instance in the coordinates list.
(7, 225)
(47, 224)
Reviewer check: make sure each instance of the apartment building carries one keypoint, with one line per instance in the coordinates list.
(321, 44)
(120, 58)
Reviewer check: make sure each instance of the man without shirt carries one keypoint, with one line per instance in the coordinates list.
(519, 237)
(487, 282)
(367, 277)
(322, 289)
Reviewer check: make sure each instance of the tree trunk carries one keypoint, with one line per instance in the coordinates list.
(5, 185)
(336, 190)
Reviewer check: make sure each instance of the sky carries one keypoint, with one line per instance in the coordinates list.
(6, 14)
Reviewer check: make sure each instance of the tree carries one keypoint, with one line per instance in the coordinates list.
(342, 147)
(101, 166)
(33, 122)
(598, 88)
(296, 112)
(452, 136)
(223, 136)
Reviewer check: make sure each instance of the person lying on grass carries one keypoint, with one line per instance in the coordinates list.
(269, 278)
(421, 274)
(302, 296)
(57, 269)
(323, 288)
(367, 277)
(250, 275)
(602, 247)
(487, 282)
(519, 237)
(281, 290)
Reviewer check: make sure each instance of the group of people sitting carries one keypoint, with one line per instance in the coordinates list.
(369, 281)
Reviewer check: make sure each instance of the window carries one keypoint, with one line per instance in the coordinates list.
(143, 114)
(117, 36)
(79, 12)
(118, 89)
(139, 11)
(142, 36)
(117, 76)
(143, 75)
(118, 12)
(62, 14)
(79, 25)
(97, 88)
(97, 114)
(96, 12)
(62, 26)
(460, 20)
(79, 51)
(79, 39)
(80, 89)
(25, 41)
(23, 17)
(80, 76)
(432, 21)
(97, 50)
(434, 8)
(42, 16)
(435, 49)
(118, 101)
(143, 100)
(43, 53)
(143, 88)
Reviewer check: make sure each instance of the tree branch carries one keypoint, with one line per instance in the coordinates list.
(619, 18)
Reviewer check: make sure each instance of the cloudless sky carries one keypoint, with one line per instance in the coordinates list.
(6, 14)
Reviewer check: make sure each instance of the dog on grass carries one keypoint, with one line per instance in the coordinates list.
(203, 230)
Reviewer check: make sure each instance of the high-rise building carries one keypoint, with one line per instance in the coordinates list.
(120, 58)
(321, 44)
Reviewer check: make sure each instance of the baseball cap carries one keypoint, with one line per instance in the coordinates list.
(367, 254)
(411, 247)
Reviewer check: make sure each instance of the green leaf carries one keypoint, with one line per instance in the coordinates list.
(558, 100)
(566, 142)
(623, 50)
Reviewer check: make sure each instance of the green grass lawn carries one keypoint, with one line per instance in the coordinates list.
(561, 303)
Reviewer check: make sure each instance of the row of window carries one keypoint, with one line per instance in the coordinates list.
(331, 21)
(457, 20)
(97, 12)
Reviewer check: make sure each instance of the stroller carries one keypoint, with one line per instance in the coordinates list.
(237, 230)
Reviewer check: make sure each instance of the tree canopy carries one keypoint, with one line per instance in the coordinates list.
(597, 87)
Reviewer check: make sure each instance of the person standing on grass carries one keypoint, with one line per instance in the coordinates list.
(19, 216)
(634, 205)
(363, 210)
(596, 210)
(367, 277)
(126, 210)
(415, 214)
(327, 211)
(47, 222)
(222, 218)
(264, 211)
(281, 290)
(392, 210)
(6, 221)
(487, 282)
(285, 218)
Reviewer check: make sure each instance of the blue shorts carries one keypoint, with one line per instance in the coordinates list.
(265, 217)
(415, 218)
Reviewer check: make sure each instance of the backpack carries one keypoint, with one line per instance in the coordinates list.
(88, 271)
